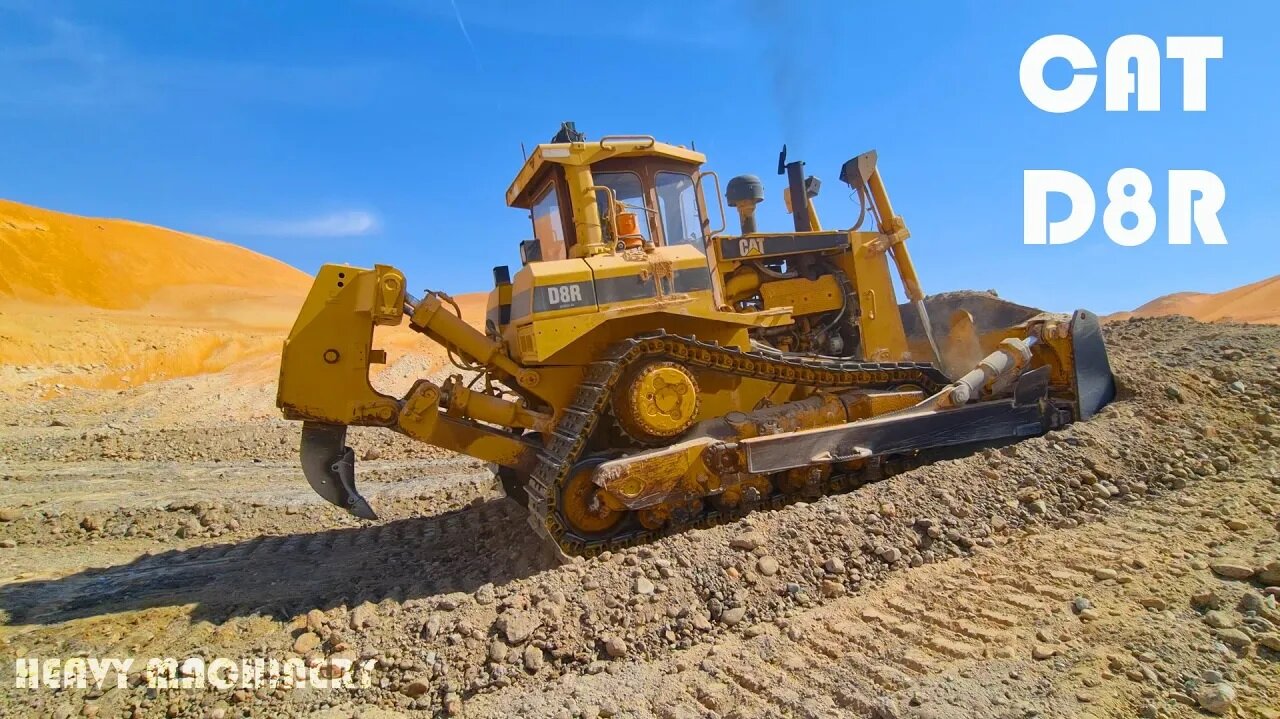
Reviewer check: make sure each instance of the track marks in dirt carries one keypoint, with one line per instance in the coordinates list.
(957, 638)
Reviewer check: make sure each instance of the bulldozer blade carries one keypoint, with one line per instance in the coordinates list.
(330, 467)
(1023, 415)
(1095, 385)
(987, 313)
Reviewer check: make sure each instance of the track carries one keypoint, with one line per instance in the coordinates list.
(567, 443)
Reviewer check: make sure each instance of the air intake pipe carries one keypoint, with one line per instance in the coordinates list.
(744, 193)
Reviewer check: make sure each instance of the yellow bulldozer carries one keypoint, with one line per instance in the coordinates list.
(644, 372)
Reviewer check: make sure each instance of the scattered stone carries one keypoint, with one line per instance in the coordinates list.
(1040, 652)
(730, 617)
(1231, 569)
(1216, 698)
(371, 454)
(1205, 599)
(517, 625)
(1233, 638)
(1155, 603)
(643, 587)
(316, 620)
(533, 658)
(364, 615)
(1270, 574)
(831, 588)
(10, 514)
(306, 642)
(1219, 619)
(1270, 640)
(615, 647)
(497, 652)
(416, 687)
(7, 544)
(1080, 604)
(833, 565)
(748, 541)
(1103, 573)
(766, 565)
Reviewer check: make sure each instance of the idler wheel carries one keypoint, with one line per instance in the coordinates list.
(581, 505)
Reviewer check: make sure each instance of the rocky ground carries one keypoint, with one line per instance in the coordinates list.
(1128, 566)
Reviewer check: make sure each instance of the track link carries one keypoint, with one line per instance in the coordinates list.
(566, 444)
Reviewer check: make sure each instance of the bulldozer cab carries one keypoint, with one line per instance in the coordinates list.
(619, 192)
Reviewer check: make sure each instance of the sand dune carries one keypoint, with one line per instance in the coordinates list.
(101, 303)
(55, 258)
(1257, 303)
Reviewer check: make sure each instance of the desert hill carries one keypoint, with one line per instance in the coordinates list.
(107, 303)
(66, 260)
(1256, 303)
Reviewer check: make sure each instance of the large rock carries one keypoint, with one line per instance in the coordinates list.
(306, 642)
(1270, 574)
(517, 625)
(364, 615)
(1231, 569)
(1216, 698)
(615, 647)
(533, 658)
(416, 687)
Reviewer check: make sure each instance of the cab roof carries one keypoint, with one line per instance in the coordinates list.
(587, 153)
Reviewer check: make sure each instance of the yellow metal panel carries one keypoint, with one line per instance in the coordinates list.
(324, 369)
(803, 296)
(883, 339)
(532, 291)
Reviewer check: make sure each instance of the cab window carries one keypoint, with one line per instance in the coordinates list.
(626, 186)
(548, 227)
(678, 206)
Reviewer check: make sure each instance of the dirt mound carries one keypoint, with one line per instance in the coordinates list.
(1257, 303)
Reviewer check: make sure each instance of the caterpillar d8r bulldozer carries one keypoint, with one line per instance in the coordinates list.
(644, 372)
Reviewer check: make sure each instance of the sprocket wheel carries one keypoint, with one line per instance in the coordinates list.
(656, 402)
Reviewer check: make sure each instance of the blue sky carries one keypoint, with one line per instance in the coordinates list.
(387, 131)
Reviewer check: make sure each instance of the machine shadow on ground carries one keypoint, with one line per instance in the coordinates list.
(282, 576)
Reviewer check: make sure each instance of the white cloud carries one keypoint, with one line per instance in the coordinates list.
(344, 223)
